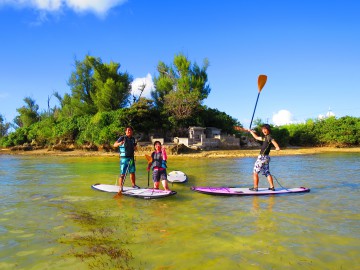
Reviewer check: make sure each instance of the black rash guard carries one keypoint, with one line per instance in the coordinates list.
(266, 146)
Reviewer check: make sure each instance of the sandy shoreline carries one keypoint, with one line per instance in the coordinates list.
(204, 154)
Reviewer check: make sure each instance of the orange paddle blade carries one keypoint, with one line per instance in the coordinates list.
(261, 81)
(118, 195)
(149, 158)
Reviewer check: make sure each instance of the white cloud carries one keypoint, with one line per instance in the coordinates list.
(138, 82)
(282, 117)
(99, 7)
(327, 115)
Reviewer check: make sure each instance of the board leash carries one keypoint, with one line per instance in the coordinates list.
(279, 183)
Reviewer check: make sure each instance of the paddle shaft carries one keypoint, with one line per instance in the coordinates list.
(254, 110)
(127, 170)
(149, 160)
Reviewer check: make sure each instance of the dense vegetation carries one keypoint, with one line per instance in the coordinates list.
(101, 105)
(332, 131)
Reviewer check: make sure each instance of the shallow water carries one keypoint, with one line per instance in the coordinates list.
(52, 219)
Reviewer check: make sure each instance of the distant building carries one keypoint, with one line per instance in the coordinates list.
(208, 138)
(195, 134)
(211, 132)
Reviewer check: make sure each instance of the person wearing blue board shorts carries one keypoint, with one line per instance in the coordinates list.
(127, 147)
(263, 160)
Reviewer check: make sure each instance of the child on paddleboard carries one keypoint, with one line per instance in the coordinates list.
(263, 160)
(158, 165)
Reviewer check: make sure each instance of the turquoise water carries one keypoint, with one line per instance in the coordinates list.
(52, 219)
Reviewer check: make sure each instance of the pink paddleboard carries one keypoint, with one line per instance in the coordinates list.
(232, 191)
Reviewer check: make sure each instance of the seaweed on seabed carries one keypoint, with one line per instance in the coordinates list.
(83, 217)
(96, 244)
(100, 256)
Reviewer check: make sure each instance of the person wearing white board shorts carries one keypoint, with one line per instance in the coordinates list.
(263, 160)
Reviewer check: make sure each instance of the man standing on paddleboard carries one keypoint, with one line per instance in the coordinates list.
(127, 147)
(263, 160)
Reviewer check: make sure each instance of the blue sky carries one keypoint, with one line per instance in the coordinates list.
(310, 50)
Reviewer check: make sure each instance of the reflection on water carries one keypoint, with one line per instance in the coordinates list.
(51, 218)
(258, 204)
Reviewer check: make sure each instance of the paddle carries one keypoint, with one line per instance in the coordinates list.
(123, 180)
(149, 160)
(261, 82)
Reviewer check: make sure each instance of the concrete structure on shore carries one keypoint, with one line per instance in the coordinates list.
(208, 138)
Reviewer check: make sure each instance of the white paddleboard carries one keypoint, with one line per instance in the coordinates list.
(144, 193)
(177, 177)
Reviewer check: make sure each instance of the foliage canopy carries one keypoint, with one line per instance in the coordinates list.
(98, 109)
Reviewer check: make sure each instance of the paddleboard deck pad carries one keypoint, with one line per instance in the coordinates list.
(144, 193)
(177, 177)
(232, 191)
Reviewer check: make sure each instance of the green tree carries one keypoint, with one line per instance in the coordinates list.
(28, 114)
(4, 127)
(112, 89)
(42, 132)
(97, 87)
(302, 134)
(81, 83)
(69, 107)
(339, 132)
(181, 88)
(281, 135)
(18, 137)
(209, 117)
(144, 117)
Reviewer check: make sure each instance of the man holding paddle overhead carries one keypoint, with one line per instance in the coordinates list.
(263, 160)
(127, 147)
